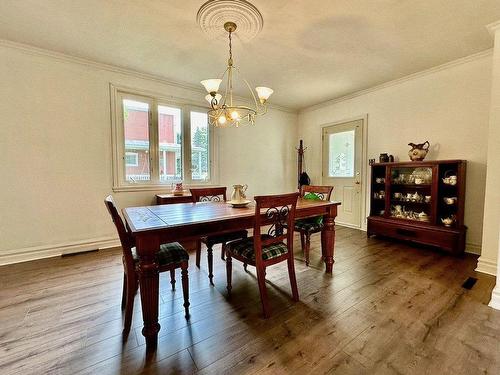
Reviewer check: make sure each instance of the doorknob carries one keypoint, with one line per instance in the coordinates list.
(357, 182)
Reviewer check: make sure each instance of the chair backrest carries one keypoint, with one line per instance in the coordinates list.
(125, 238)
(213, 194)
(278, 211)
(322, 192)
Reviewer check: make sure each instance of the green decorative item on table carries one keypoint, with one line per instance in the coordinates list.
(313, 220)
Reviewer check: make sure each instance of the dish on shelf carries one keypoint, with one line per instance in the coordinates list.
(400, 212)
(450, 200)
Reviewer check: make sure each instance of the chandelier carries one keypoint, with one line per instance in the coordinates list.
(224, 111)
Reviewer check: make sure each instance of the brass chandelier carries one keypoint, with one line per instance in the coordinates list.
(224, 112)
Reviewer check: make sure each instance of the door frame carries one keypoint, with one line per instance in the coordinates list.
(364, 164)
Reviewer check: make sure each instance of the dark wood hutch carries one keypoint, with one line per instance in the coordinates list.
(421, 202)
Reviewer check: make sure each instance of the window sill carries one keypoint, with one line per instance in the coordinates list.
(158, 187)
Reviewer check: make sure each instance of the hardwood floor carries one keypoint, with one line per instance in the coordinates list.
(389, 308)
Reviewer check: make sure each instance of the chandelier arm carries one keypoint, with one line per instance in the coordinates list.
(250, 89)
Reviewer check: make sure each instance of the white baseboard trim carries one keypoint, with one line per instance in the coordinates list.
(49, 251)
(495, 298)
(473, 248)
(488, 266)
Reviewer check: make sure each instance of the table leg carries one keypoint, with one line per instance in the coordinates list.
(328, 240)
(147, 249)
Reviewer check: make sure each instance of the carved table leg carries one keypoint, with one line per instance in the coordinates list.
(147, 249)
(328, 239)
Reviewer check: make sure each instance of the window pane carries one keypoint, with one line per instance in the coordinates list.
(136, 131)
(341, 155)
(200, 156)
(170, 138)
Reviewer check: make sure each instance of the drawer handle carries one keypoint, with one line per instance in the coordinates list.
(406, 232)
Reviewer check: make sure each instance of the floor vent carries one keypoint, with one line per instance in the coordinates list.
(469, 283)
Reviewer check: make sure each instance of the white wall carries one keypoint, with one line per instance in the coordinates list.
(55, 139)
(490, 254)
(263, 156)
(448, 106)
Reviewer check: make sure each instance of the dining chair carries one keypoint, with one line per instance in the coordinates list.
(306, 227)
(213, 194)
(264, 250)
(170, 257)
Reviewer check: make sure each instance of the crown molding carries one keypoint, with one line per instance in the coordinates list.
(493, 27)
(398, 81)
(63, 57)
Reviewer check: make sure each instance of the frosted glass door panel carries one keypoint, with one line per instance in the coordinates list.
(341, 154)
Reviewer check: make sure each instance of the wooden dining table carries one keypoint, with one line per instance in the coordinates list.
(153, 225)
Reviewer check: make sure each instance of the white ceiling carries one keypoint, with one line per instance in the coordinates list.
(308, 51)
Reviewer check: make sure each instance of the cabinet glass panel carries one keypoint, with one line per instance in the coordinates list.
(411, 193)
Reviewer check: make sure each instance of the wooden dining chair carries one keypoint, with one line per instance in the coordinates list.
(264, 250)
(213, 194)
(306, 227)
(170, 257)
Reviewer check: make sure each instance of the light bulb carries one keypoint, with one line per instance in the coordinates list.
(235, 115)
(222, 119)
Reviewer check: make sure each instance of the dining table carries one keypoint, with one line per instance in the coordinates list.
(151, 226)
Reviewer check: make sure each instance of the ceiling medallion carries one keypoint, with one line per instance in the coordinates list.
(224, 111)
(215, 13)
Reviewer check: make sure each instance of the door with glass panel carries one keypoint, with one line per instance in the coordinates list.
(342, 153)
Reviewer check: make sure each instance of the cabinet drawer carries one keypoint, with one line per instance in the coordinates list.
(445, 239)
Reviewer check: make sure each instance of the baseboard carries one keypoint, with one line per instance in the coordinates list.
(473, 248)
(495, 298)
(487, 266)
(48, 251)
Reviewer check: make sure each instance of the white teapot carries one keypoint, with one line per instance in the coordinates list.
(238, 194)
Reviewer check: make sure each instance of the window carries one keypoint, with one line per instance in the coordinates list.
(341, 159)
(158, 142)
(131, 159)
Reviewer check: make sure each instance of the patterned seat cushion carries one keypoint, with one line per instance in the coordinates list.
(244, 248)
(226, 237)
(169, 253)
(308, 225)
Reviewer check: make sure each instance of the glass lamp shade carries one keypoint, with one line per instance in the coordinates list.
(264, 93)
(211, 85)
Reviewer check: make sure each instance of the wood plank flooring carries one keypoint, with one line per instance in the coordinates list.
(388, 308)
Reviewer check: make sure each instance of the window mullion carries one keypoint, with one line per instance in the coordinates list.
(186, 145)
(154, 144)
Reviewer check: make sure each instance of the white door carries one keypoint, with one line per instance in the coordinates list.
(342, 154)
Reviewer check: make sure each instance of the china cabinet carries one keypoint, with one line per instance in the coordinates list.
(421, 202)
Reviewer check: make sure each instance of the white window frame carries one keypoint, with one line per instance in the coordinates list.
(117, 95)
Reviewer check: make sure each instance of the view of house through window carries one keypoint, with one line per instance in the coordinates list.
(170, 139)
(160, 143)
(136, 138)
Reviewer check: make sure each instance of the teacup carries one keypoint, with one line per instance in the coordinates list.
(397, 195)
(450, 200)
(380, 180)
(418, 181)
